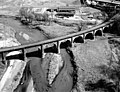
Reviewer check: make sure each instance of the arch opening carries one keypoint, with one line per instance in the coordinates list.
(98, 33)
(89, 36)
(78, 40)
(114, 29)
(106, 30)
(51, 49)
(65, 44)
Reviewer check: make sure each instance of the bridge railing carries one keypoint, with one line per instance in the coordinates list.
(42, 43)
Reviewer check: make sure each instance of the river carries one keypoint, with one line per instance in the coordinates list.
(34, 34)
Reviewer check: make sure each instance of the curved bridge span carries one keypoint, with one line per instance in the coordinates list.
(59, 42)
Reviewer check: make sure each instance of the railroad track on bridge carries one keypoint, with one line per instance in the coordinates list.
(57, 41)
(104, 5)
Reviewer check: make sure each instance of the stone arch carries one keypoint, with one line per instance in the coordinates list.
(51, 48)
(44, 49)
(41, 50)
(98, 33)
(78, 39)
(114, 28)
(106, 30)
(89, 36)
(65, 44)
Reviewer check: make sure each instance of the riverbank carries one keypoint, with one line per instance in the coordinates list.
(21, 30)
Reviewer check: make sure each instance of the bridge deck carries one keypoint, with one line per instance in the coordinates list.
(26, 46)
(109, 1)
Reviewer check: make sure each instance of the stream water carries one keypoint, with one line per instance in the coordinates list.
(34, 34)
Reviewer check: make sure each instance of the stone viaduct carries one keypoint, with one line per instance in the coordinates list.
(60, 42)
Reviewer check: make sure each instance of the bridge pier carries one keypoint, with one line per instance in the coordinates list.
(58, 46)
(4, 58)
(42, 51)
(103, 28)
(93, 34)
(71, 41)
(24, 54)
(101, 31)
